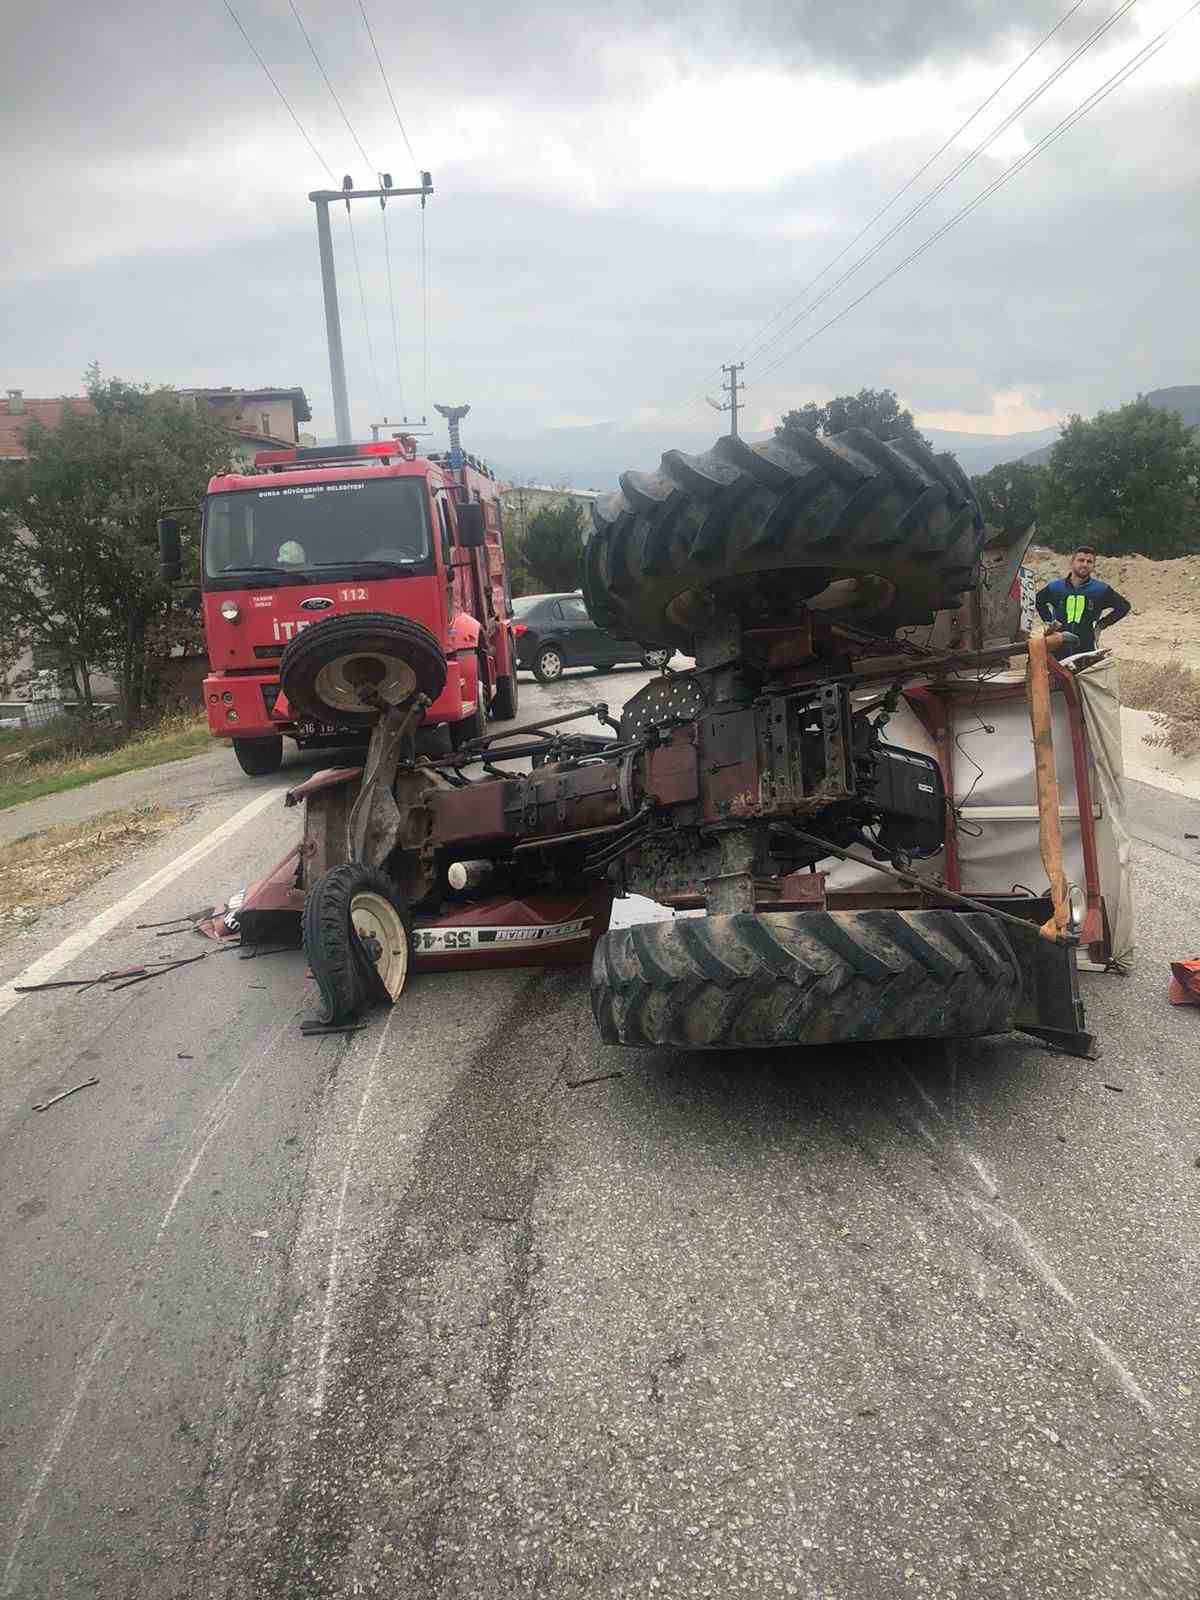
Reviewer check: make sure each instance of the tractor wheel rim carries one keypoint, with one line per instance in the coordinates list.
(552, 663)
(339, 684)
(382, 934)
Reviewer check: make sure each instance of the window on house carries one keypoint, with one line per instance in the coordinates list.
(264, 419)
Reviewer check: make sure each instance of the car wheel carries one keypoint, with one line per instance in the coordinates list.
(548, 664)
(655, 660)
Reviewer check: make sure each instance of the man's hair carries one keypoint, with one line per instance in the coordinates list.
(1083, 550)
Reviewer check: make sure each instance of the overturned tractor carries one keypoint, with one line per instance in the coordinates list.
(823, 586)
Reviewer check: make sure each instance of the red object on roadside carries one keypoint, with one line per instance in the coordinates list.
(1185, 983)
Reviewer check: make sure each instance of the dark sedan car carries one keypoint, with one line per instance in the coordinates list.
(554, 631)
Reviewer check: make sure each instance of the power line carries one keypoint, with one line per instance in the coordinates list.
(271, 79)
(919, 173)
(362, 300)
(329, 86)
(940, 187)
(387, 85)
(1109, 86)
(387, 253)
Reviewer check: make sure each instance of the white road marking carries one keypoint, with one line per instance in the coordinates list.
(57, 1439)
(48, 967)
(216, 1121)
(331, 1276)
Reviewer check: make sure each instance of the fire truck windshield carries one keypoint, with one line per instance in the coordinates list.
(284, 530)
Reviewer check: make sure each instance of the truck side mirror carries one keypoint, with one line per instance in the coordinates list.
(472, 530)
(170, 553)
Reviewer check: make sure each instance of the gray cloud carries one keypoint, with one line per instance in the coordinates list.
(1072, 286)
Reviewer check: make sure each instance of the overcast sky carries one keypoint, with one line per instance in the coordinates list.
(626, 193)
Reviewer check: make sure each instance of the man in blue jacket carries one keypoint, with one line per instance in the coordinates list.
(1080, 603)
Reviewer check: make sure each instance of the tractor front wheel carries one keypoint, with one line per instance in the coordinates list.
(356, 937)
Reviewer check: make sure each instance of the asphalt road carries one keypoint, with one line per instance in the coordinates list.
(404, 1313)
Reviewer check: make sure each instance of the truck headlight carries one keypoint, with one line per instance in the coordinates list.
(230, 610)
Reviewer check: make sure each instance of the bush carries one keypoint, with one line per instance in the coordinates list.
(1170, 692)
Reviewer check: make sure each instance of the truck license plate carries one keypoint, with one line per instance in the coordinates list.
(316, 730)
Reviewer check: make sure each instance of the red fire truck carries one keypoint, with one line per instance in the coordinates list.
(320, 532)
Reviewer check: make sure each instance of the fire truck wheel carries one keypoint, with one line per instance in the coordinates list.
(327, 668)
(548, 664)
(804, 978)
(259, 758)
(506, 702)
(357, 940)
(852, 526)
(472, 727)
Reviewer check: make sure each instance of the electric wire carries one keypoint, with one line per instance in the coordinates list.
(1109, 86)
(362, 300)
(944, 183)
(383, 74)
(272, 81)
(333, 92)
(758, 337)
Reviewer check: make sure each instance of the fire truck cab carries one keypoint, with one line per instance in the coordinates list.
(319, 532)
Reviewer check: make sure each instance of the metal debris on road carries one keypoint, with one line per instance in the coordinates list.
(184, 961)
(601, 1077)
(313, 1029)
(1117, 1088)
(44, 1105)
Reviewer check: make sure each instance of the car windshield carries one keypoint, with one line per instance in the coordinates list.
(290, 528)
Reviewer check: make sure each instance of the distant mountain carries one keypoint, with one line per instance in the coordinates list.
(980, 452)
(1183, 398)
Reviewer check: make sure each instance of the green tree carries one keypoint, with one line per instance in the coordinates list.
(1125, 482)
(877, 410)
(78, 544)
(1008, 495)
(553, 546)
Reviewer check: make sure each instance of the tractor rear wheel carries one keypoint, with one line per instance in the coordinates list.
(356, 937)
(860, 528)
(746, 980)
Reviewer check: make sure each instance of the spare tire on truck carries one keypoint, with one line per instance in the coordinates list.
(340, 669)
(745, 980)
(882, 532)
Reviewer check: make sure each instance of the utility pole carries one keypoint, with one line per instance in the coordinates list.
(733, 405)
(323, 199)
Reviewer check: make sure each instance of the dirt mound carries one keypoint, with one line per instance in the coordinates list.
(1164, 624)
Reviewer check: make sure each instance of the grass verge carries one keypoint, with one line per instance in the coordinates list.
(44, 869)
(66, 755)
(1170, 692)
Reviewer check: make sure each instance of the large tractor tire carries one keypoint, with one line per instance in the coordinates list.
(804, 978)
(761, 530)
(338, 670)
(357, 938)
